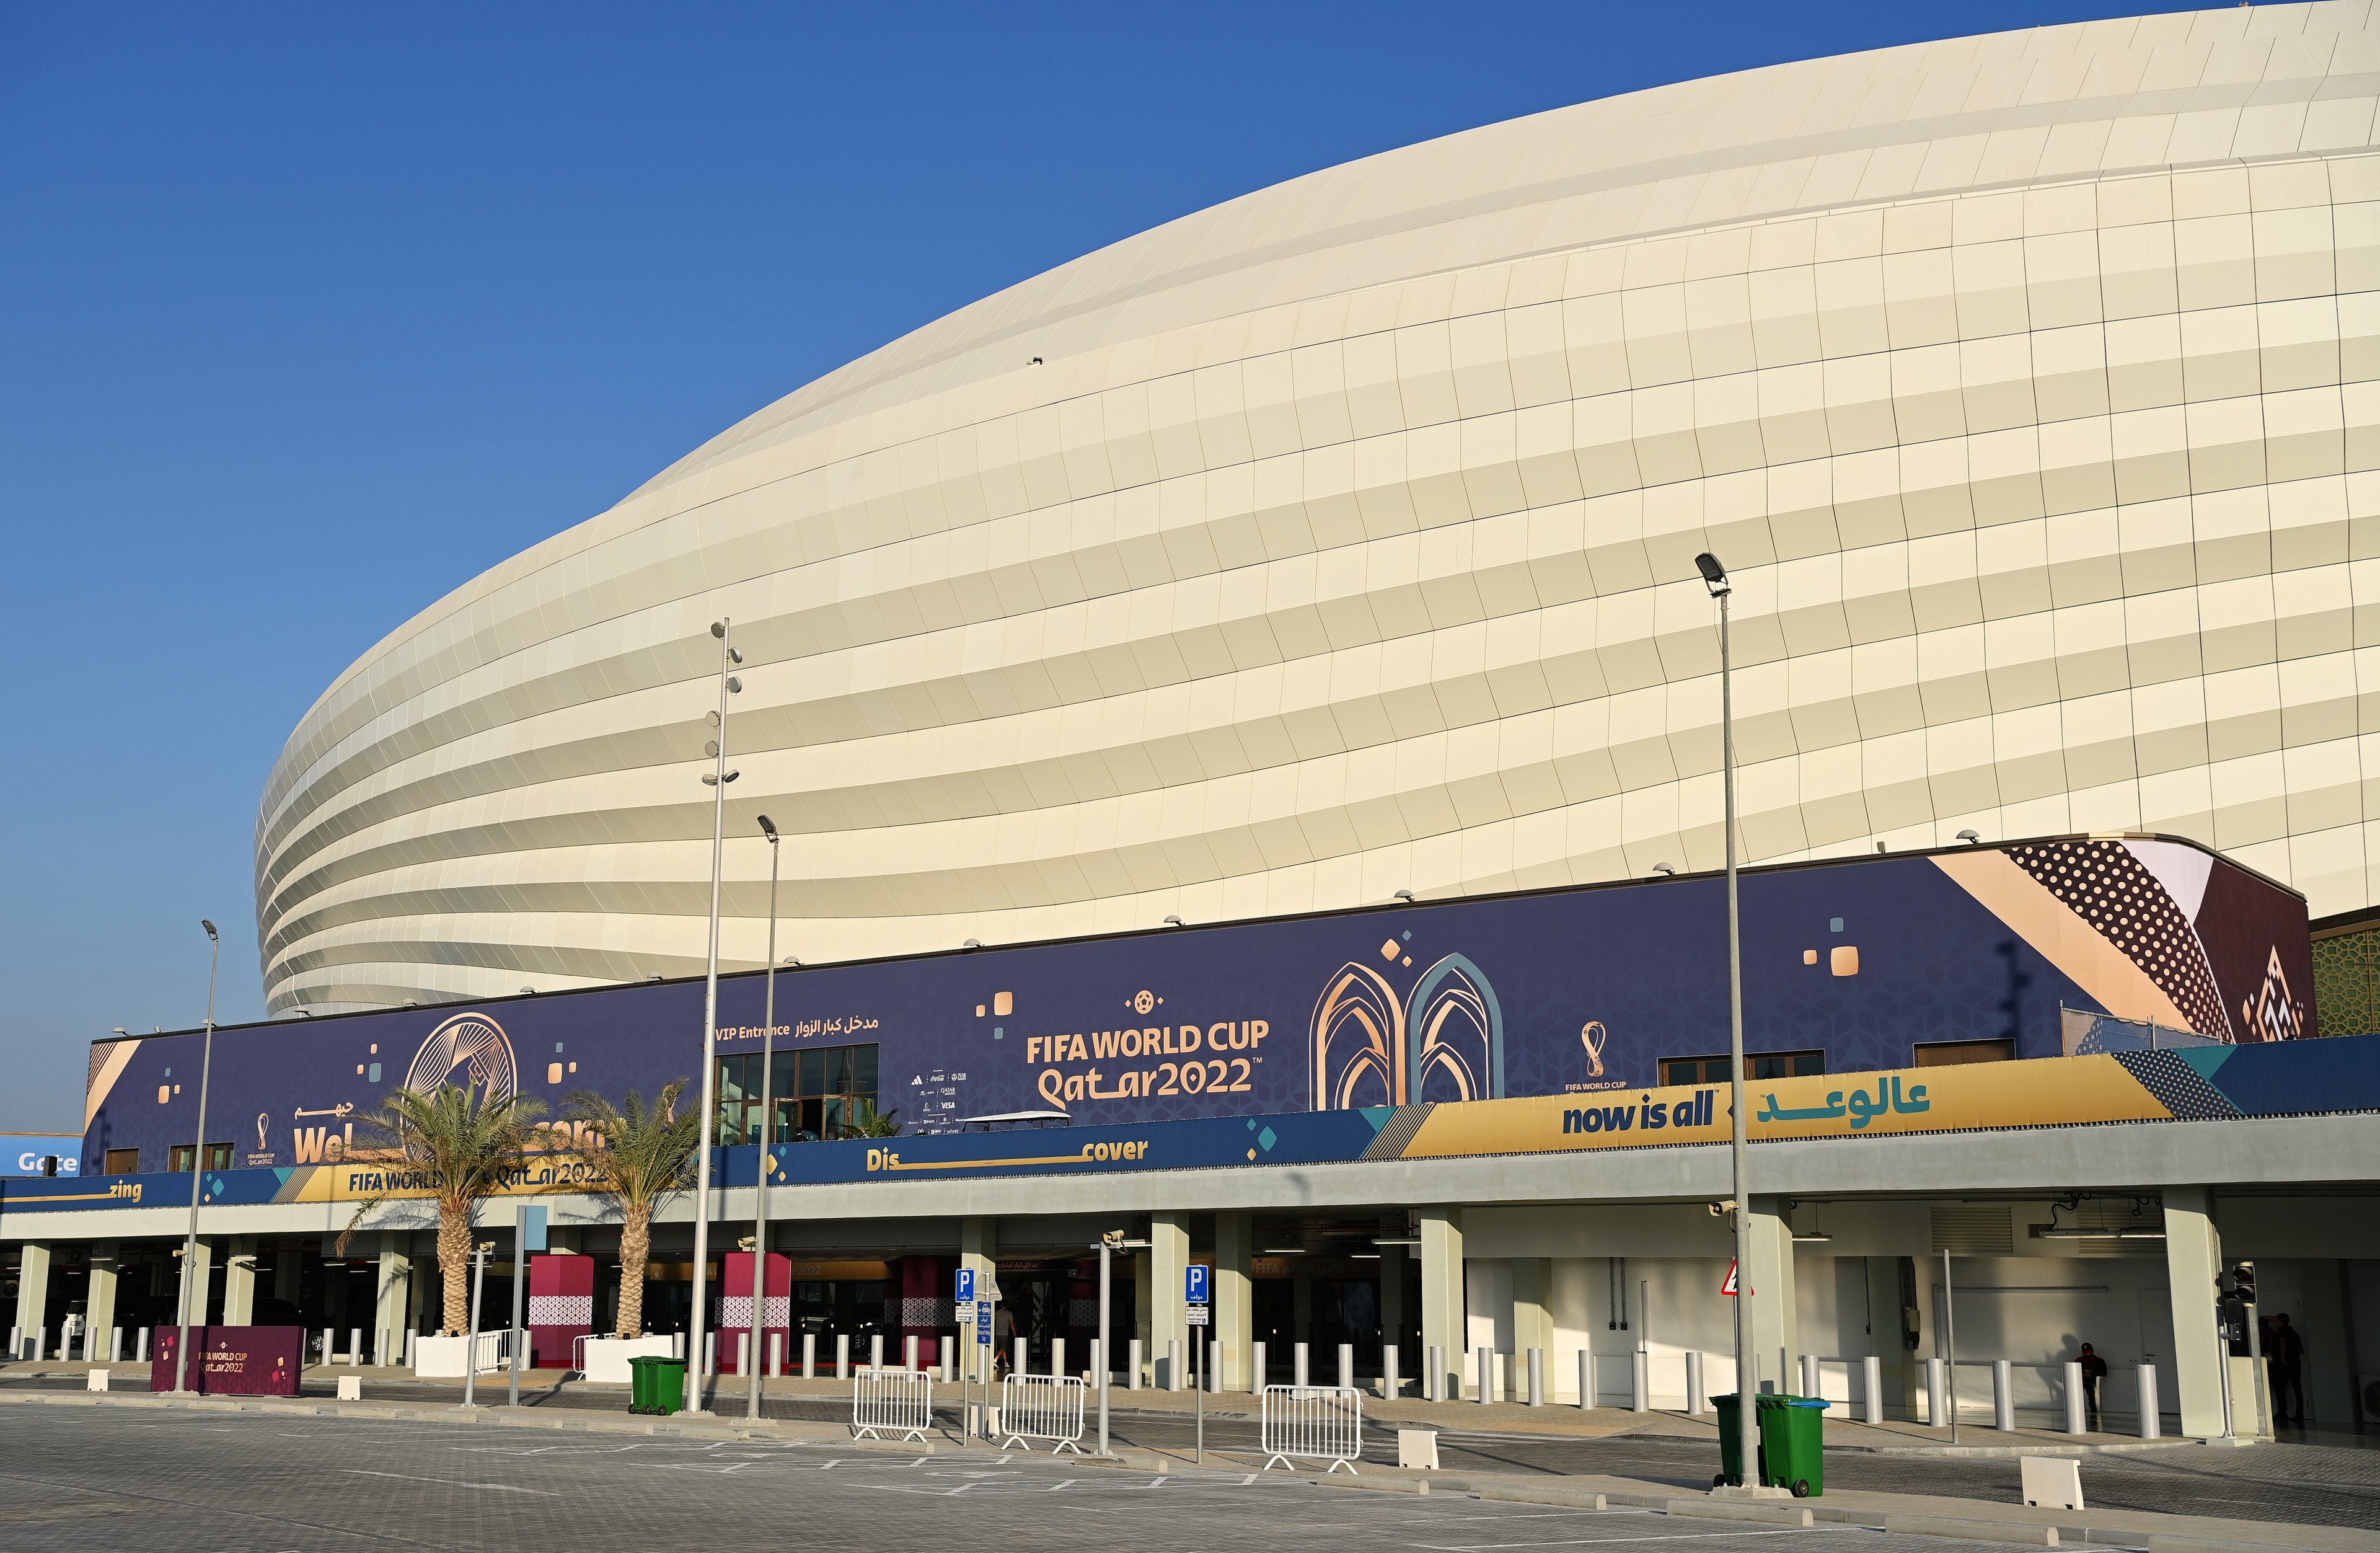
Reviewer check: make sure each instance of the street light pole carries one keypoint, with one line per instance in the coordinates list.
(198, 1170)
(756, 1357)
(1747, 1437)
(717, 779)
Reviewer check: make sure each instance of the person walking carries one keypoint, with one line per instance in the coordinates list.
(2094, 1369)
(2285, 1367)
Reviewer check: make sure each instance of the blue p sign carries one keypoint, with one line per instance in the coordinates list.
(966, 1295)
(1194, 1284)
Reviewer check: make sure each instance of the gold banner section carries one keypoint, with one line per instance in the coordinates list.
(356, 1181)
(2061, 1091)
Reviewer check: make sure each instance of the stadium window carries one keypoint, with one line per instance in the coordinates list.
(123, 1162)
(177, 1158)
(816, 1093)
(1955, 1054)
(1687, 1071)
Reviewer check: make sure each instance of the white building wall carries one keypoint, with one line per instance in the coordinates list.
(1339, 541)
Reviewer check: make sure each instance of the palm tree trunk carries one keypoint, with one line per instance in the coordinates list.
(455, 1262)
(636, 1250)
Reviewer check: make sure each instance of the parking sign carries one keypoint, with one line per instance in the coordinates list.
(983, 1324)
(1194, 1284)
(966, 1295)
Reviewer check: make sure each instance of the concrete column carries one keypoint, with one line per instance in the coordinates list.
(1441, 1293)
(195, 1283)
(1235, 1293)
(979, 1251)
(239, 1282)
(1169, 1256)
(1772, 1320)
(33, 1292)
(1533, 1318)
(395, 1279)
(2193, 1255)
(98, 1311)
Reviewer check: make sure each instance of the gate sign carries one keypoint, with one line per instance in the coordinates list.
(966, 1295)
(983, 1324)
(1194, 1284)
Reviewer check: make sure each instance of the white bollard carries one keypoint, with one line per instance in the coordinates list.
(1433, 1379)
(1132, 1372)
(330, 1346)
(909, 1353)
(1697, 1394)
(677, 1345)
(1640, 1384)
(1537, 1377)
(1297, 1376)
(16, 1343)
(776, 1353)
(355, 1347)
(951, 1360)
(408, 1350)
(2003, 1396)
(1092, 1372)
(1214, 1364)
(711, 1353)
(1391, 1386)
(1872, 1389)
(1585, 1378)
(1173, 1377)
(2150, 1425)
(876, 1351)
(809, 1355)
(116, 1345)
(2075, 1423)
(842, 1356)
(1057, 1356)
(141, 1355)
(1017, 1351)
(1346, 1367)
(1810, 1374)
(1487, 1374)
(1257, 1374)
(41, 1342)
(1937, 1394)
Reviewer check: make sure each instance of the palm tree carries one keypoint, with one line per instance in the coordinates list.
(642, 1156)
(864, 1121)
(466, 1142)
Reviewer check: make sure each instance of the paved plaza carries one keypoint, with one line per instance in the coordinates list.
(168, 1482)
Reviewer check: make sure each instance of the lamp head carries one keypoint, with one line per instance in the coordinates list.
(1405, 896)
(1173, 921)
(1664, 869)
(1970, 837)
(210, 930)
(719, 630)
(768, 828)
(1713, 574)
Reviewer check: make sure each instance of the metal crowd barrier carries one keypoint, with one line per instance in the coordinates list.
(893, 1401)
(1316, 1422)
(1043, 1407)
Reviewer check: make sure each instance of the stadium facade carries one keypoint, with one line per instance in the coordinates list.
(1338, 539)
(1335, 544)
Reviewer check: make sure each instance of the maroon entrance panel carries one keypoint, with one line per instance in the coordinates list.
(233, 1361)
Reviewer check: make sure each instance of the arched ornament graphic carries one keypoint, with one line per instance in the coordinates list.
(1454, 1035)
(467, 1050)
(1356, 1042)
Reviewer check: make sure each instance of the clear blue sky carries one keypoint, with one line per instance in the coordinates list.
(309, 313)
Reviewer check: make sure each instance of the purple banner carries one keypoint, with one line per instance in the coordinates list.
(233, 1361)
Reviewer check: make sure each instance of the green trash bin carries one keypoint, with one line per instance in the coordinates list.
(1792, 1443)
(656, 1385)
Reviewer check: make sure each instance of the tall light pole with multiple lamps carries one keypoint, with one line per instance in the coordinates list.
(717, 778)
(198, 1169)
(1747, 1438)
(755, 1353)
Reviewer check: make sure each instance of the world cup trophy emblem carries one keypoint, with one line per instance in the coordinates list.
(1591, 1035)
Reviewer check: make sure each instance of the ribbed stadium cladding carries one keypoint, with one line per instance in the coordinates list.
(1339, 541)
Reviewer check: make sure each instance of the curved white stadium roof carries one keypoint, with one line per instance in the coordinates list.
(1342, 540)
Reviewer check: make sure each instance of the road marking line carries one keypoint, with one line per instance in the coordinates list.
(450, 1482)
(1599, 1542)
